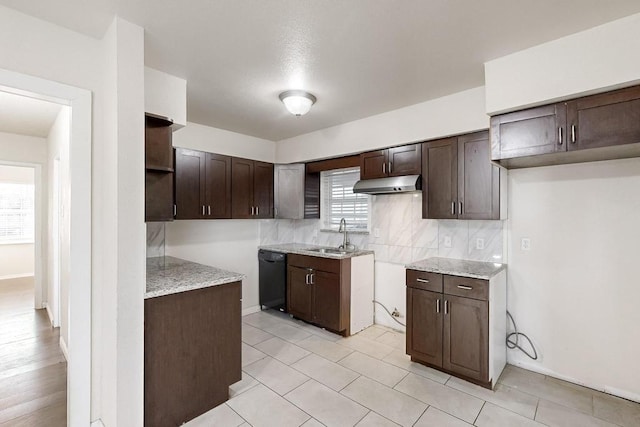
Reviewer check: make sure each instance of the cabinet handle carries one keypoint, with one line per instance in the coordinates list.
(209, 207)
(446, 306)
(453, 208)
(252, 210)
(560, 135)
(460, 208)
(438, 305)
(202, 210)
(465, 287)
(384, 165)
(312, 279)
(306, 279)
(175, 210)
(422, 280)
(257, 210)
(389, 167)
(573, 134)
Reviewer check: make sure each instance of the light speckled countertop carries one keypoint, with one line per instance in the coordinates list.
(304, 249)
(458, 267)
(168, 275)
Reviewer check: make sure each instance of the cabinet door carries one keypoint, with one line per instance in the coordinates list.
(288, 191)
(374, 164)
(424, 326)
(299, 293)
(218, 186)
(478, 178)
(440, 179)
(190, 184)
(263, 189)
(405, 160)
(326, 299)
(466, 337)
(158, 196)
(242, 188)
(532, 132)
(604, 120)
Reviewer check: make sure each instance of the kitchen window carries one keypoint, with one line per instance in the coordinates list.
(339, 201)
(16, 213)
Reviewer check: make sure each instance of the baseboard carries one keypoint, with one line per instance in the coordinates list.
(251, 310)
(46, 306)
(65, 350)
(97, 423)
(605, 389)
(16, 276)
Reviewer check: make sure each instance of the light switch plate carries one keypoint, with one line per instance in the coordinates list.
(525, 244)
(479, 243)
(447, 241)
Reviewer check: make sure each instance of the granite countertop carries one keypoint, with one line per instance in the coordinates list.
(168, 275)
(305, 249)
(458, 267)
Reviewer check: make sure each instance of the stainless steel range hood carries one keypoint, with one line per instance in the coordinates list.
(396, 184)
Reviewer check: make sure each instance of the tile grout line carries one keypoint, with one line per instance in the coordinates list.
(479, 412)
(421, 415)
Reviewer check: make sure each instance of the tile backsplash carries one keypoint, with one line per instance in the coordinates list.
(399, 234)
(155, 239)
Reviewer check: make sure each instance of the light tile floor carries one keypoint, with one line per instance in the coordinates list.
(295, 374)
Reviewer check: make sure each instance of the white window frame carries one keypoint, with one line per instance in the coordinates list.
(26, 194)
(329, 223)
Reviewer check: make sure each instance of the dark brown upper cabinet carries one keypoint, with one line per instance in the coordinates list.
(564, 132)
(604, 120)
(396, 161)
(252, 189)
(458, 179)
(532, 132)
(203, 185)
(159, 168)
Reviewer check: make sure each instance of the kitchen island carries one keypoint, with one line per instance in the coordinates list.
(192, 339)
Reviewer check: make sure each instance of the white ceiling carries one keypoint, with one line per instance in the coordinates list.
(359, 57)
(26, 116)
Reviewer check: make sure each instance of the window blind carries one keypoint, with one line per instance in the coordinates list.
(16, 212)
(339, 201)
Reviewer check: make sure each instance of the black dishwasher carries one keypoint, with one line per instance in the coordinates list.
(273, 280)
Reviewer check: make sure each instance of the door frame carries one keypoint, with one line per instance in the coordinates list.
(79, 345)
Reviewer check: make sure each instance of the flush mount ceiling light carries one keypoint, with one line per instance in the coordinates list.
(298, 102)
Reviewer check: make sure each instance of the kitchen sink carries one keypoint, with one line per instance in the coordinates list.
(333, 251)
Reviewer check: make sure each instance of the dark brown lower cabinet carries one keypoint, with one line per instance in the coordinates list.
(319, 291)
(448, 326)
(192, 352)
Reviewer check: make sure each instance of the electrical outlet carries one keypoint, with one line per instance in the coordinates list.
(447, 241)
(480, 244)
(376, 232)
(525, 244)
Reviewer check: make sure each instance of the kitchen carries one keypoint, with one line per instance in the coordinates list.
(571, 291)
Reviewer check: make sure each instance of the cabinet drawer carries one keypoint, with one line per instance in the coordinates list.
(315, 263)
(466, 287)
(424, 280)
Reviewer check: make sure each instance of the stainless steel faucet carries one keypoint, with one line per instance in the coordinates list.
(346, 245)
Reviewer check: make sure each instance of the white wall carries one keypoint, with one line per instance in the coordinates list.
(576, 293)
(58, 148)
(23, 148)
(453, 114)
(220, 141)
(582, 63)
(165, 95)
(17, 259)
(36, 48)
(122, 157)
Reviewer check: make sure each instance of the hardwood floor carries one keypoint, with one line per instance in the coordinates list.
(33, 370)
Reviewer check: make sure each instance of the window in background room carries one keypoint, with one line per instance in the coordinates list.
(16, 213)
(339, 201)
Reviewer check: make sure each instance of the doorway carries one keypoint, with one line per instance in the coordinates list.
(70, 397)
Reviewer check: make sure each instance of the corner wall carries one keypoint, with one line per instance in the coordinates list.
(576, 293)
